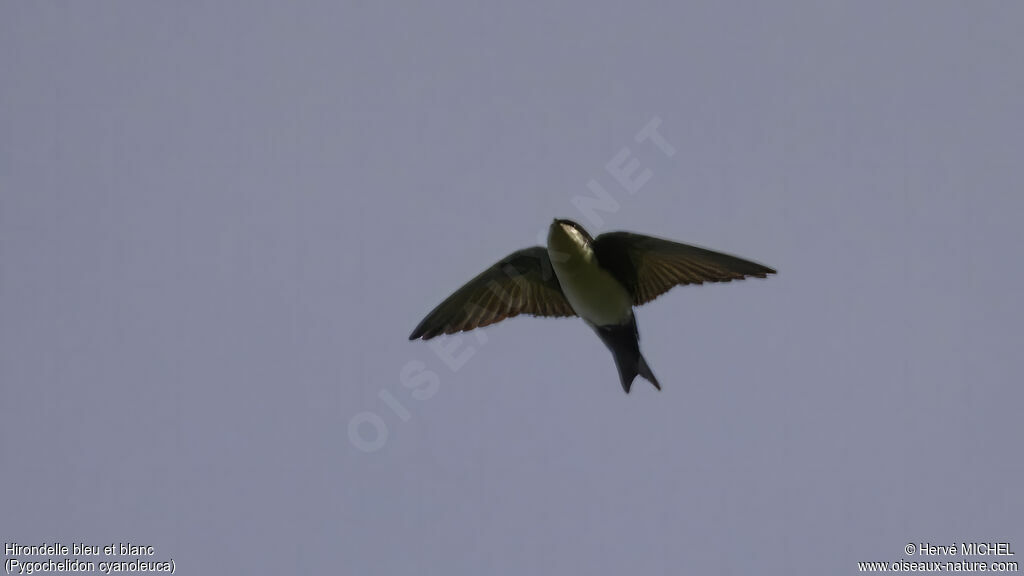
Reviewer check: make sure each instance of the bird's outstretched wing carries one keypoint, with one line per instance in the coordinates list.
(649, 267)
(521, 283)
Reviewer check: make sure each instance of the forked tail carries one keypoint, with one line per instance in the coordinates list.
(644, 370)
(622, 340)
(630, 368)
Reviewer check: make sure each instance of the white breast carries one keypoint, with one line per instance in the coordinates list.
(594, 294)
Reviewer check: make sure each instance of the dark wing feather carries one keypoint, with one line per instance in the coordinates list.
(649, 267)
(521, 283)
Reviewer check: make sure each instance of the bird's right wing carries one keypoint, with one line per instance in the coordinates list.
(521, 283)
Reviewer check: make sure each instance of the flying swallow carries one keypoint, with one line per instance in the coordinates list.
(598, 279)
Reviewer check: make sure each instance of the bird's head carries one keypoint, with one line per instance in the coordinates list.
(566, 239)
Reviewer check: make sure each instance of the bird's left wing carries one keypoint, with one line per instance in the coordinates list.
(649, 266)
(521, 283)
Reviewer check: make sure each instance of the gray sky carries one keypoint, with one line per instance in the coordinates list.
(220, 222)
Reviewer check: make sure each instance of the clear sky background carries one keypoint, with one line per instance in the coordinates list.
(219, 223)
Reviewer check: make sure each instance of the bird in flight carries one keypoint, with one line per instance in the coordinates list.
(598, 279)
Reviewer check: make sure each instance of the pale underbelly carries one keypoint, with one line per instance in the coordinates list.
(594, 294)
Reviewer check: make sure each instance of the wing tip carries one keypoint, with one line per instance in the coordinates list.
(762, 271)
(421, 331)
